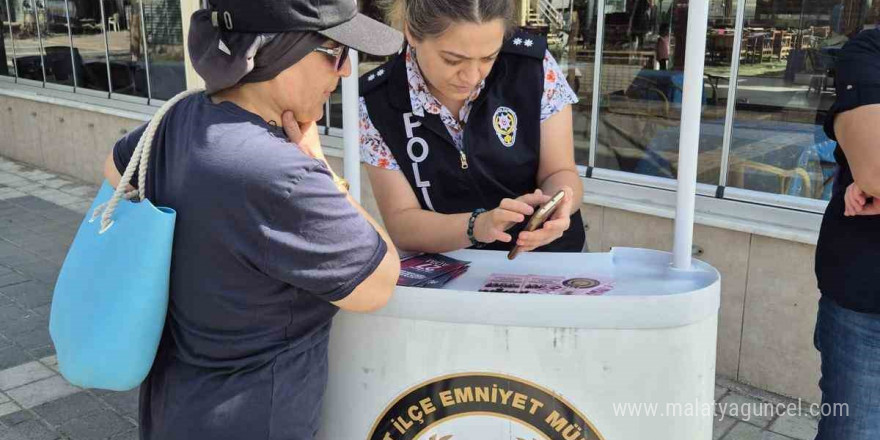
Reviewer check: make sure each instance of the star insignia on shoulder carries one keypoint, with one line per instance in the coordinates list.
(517, 41)
(380, 72)
(371, 77)
(529, 43)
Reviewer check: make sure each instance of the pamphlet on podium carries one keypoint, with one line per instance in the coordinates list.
(552, 285)
(430, 270)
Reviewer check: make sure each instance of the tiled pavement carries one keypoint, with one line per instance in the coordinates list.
(39, 215)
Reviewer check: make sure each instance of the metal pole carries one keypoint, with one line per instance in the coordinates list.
(689, 146)
(597, 83)
(70, 39)
(350, 129)
(106, 49)
(12, 39)
(731, 92)
(146, 51)
(40, 40)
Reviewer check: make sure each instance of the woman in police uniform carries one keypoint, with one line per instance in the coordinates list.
(467, 130)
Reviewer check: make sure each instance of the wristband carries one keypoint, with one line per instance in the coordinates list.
(470, 229)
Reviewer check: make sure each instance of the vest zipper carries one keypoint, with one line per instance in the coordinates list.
(464, 162)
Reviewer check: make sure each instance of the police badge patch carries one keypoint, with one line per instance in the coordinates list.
(504, 123)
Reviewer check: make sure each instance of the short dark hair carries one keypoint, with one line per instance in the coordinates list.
(431, 18)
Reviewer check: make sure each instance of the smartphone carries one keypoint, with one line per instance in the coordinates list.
(538, 218)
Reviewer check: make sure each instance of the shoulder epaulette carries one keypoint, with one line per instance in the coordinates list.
(526, 44)
(375, 77)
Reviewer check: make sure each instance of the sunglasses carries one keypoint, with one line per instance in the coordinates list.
(339, 53)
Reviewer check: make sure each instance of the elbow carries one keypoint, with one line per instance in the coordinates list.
(869, 183)
(380, 299)
(383, 288)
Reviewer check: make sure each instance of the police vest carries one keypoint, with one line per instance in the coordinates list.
(501, 140)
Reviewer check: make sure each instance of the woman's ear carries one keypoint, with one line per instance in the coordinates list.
(408, 36)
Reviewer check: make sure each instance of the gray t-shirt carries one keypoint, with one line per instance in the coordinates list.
(263, 241)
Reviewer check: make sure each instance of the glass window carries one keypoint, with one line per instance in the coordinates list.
(123, 31)
(26, 32)
(641, 87)
(89, 46)
(576, 57)
(784, 91)
(164, 32)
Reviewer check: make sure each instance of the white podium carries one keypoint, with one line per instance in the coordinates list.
(637, 362)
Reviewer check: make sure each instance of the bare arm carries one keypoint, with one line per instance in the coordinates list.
(421, 230)
(557, 168)
(411, 227)
(858, 132)
(557, 171)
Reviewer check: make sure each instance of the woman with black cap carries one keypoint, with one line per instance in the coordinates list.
(467, 130)
(268, 245)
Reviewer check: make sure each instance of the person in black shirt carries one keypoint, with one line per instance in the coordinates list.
(467, 130)
(848, 252)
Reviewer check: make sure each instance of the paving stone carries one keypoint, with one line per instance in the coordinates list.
(22, 258)
(745, 408)
(722, 426)
(57, 257)
(80, 207)
(12, 195)
(798, 427)
(130, 435)
(8, 408)
(68, 408)
(58, 197)
(746, 431)
(10, 312)
(12, 356)
(82, 191)
(50, 361)
(7, 248)
(42, 391)
(126, 402)
(97, 425)
(3, 398)
(35, 430)
(63, 215)
(34, 339)
(26, 323)
(43, 310)
(6, 177)
(41, 352)
(18, 183)
(43, 270)
(17, 417)
(55, 183)
(10, 434)
(31, 294)
(12, 278)
(33, 203)
(23, 374)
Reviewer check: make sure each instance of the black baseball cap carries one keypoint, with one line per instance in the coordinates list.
(337, 20)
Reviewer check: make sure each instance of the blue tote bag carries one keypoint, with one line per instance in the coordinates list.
(109, 305)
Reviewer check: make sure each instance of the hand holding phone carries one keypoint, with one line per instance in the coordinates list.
(541, 215)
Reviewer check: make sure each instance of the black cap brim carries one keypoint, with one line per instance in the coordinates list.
(364, 34)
